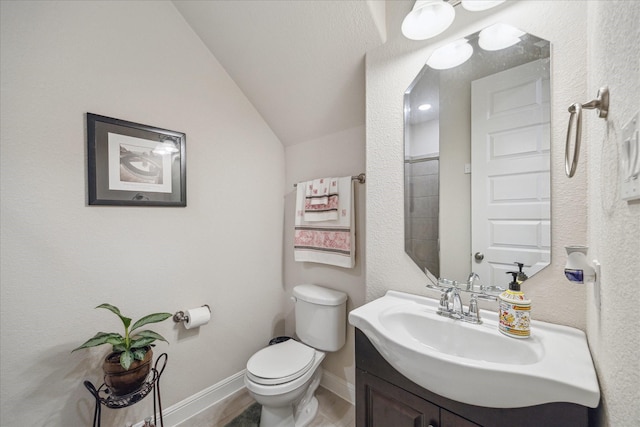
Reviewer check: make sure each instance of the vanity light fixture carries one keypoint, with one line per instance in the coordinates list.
(428, 18)
(450, 55)
(499, 36)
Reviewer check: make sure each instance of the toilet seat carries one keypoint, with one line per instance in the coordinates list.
(280, 363)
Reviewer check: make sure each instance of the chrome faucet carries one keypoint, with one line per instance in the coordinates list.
(471, 280)
(451, 302)
(451, 306)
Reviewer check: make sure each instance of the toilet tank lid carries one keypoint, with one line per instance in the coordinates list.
(319, 295)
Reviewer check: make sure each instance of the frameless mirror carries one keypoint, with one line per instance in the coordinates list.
(477, 158)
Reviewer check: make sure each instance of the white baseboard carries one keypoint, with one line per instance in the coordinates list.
(193, 405)
(339, 387)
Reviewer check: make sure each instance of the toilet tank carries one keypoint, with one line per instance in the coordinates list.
(320, 315)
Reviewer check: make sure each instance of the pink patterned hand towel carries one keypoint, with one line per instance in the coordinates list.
(321, 200)
(326, 242)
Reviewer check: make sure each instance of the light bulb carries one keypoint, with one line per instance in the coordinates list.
(499, 36)
(450, 55)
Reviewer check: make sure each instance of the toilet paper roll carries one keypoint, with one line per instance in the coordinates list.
(197, 317)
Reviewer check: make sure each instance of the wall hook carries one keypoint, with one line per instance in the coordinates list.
(601, 104)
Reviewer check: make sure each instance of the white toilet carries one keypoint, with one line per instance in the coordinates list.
(283, 377)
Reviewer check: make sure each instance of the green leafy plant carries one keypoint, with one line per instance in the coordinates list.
(131, 346)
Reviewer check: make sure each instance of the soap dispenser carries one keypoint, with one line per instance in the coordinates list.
(521, 274)
(515, 310)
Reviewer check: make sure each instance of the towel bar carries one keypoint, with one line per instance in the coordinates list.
(360, 178)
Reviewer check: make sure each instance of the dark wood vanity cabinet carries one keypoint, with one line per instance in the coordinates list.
(386, 398)
(389, 406)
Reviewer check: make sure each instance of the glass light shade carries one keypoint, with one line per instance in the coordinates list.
(478, 5)
(499, 36)
(424, 107)
(427, 19)
(450, 55)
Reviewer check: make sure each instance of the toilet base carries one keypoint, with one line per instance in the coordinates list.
(283, 416)
(277, 416)
(308, 413)
(298, 414)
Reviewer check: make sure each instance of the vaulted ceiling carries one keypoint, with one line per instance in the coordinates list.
(300, 63)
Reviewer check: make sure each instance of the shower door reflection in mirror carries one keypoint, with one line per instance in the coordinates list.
(477, 163)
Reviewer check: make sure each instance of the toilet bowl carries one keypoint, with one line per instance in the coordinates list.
(283, 377)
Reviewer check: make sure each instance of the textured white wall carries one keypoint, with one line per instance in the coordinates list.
(390, 70)
(337, 154)
(137, 61)
(614, 224)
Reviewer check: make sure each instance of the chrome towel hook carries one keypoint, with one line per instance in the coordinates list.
(601, 103)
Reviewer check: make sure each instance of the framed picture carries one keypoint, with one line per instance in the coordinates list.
(135, 165)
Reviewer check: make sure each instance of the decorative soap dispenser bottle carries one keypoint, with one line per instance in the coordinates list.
(515, 310)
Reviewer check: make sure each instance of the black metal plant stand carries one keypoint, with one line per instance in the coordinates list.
(104, 397)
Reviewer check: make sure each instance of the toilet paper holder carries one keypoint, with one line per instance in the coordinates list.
(180, 316)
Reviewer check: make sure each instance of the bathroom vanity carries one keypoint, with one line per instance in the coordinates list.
(385, 397)
(418, 366)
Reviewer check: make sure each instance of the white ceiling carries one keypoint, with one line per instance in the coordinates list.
(300, 63)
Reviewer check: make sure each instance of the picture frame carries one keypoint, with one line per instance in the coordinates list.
(131, 164)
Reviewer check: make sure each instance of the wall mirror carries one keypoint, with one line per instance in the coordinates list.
(477, 158)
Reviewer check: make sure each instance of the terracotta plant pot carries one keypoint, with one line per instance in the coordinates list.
(121, 382)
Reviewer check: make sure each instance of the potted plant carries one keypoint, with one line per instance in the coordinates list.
(128, 364)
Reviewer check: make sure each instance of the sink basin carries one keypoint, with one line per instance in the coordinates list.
(459, 339)
(476, 364)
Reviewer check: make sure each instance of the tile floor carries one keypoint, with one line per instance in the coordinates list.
(333, 411)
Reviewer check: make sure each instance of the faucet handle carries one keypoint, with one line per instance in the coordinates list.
(456, 301)
(444, 300)
(473, 303)
(474, 311)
